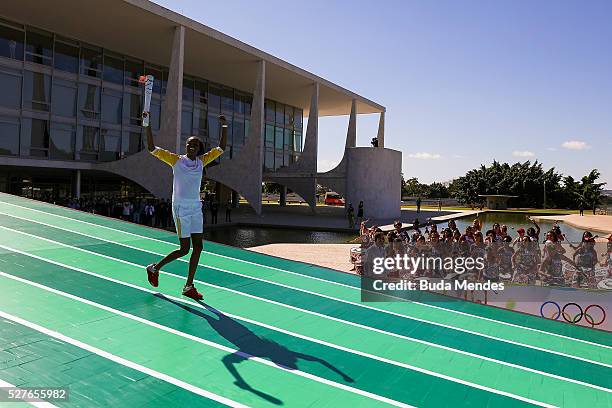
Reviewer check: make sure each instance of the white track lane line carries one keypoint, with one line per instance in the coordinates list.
(293, 308)
(38, 404)
(215, 345)
(311, 293)
(120, 360)
(294, 273)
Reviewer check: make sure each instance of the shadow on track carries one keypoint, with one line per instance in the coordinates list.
(251, 345)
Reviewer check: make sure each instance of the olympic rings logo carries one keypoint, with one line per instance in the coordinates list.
(580, 313)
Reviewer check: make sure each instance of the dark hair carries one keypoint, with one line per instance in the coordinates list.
(379, 235)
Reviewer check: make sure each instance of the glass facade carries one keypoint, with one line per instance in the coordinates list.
(76, 101)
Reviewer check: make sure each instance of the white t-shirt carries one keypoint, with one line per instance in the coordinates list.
(187, 173)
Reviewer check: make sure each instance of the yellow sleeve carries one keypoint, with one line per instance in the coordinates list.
(165, 156)
(211, 155)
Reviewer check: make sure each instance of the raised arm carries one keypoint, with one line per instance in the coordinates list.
(215, 152)
(162, 154)
(150, 141)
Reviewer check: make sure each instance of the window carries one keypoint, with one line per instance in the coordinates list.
(280, 114)
(113, 69)
(155, 114)
(214, 98)
(239, 104)
(297, 141)
(288, 140)
(230, 129)
(270, 111)
(269, 160)
(278, 139)
(87, 143)
(188, 90)
(278, 160)
(36, 91)
(110, 145)
(64, 98)
(34, 137)
(201, 91)
(91, 62)
(289, 116)
(132, 142)
(269, 136)
(213, 128)
(247, 127)
(9, 142)
(39, 47)
(200, 122)
(238, 132)
(89, 101)
(11, 42)
(112, 106)
(227, 100)
(297, 118)
(186, 122)
(133, 108)
(62, 141)
(10, 84)
(286, 158)
(133, 70)
(66, 56)
(248, 102)
(157, 77)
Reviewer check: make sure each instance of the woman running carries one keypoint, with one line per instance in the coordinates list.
(186, 205)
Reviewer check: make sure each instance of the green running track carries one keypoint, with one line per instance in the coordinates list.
(76, 310)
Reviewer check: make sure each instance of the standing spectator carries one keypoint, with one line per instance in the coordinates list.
(375, 251)
(439, 204)
(163, 210)
(127, 211)
(138, 209)
(204, 205)
(228, 211)
(350, 214)
(581, 208)
(418, 204)
(214, 209)
(169, 218)
(149, 212)
(360, 212)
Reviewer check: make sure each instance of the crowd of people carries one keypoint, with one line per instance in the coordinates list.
(526, 258)
(152, 212)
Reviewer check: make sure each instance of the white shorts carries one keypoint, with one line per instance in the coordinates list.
(188, 219)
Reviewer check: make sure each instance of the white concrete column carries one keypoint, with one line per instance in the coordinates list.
(308, 159)
(381, 130)
(257, 129)
(170, 132)
(351, 135)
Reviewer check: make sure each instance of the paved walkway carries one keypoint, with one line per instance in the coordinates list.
(595, 223)
(333, 256)
(326, 218)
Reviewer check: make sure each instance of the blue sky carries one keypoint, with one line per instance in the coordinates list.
(464, 82)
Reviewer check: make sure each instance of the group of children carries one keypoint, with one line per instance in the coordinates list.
(521, 259)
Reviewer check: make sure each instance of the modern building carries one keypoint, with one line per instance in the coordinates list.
(70, 107)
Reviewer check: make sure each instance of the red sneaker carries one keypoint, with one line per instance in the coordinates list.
(192, 292)
(153, 275)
